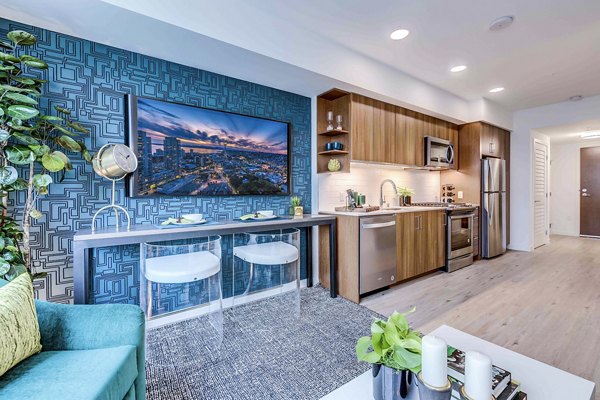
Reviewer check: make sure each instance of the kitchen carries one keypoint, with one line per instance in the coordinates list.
(368, 152)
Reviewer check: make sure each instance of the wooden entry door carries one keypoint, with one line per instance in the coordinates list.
(589, 192)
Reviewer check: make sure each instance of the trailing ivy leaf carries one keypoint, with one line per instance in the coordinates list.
(21, 128)
(68, 143)
(77, 126)
(362, 351)
(2, 243)
(15, 271)
(21, 38)
(19, 184)
(4, 134)
(9, 88)
(19, 155)
(52, 162)
(64, 159)
(33, 62)
(35, 214)
(63, 130)
(23, 80)
(5, 57)
(8, 175)
(6, 45)
(85, 153)
(7, 68)
(22, 112)
(39, 150)
(51, 118)
(21, 98)
(25, 139)
(62, 110)
(4, 267)
(39, 81)
(42, 180)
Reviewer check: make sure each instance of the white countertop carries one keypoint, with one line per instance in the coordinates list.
(383, 211)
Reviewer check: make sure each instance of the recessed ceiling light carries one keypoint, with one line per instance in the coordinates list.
(458, 68)
(496, 90)
(502, 23)
(399, 34)
(576, 98)
(590, 134)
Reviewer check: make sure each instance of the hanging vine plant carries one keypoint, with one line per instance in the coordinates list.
(33, 148)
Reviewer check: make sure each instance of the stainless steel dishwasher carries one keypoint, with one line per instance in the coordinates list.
(377, 252)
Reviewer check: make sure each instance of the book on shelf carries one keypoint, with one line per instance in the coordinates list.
(456, 369)
(511, 392)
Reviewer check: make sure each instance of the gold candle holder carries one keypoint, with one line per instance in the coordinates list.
(465, 396)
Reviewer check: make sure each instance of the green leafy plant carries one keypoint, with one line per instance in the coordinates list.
(32, 147)
(295, 201)
(393, 344)
(405, 192)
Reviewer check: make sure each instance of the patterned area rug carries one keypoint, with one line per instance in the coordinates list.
(264, 355)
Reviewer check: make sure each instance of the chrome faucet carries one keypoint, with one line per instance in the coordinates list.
(381, 199)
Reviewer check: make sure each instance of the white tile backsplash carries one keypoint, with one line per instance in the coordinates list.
(367, 178)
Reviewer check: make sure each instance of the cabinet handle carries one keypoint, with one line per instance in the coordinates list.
(491, 148)
(444, 219)
(416, 222)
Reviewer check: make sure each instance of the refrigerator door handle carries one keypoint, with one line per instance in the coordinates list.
(491, 209)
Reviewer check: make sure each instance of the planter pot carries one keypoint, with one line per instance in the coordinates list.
(389, 384)
(298, 211)
(407, 200)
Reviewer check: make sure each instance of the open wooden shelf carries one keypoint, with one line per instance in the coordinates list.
(334, 132)
(332, 152)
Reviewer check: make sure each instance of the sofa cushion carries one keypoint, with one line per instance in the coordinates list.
(100, 374)
(19, 330)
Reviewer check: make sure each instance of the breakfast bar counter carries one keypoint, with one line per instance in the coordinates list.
(84, 241)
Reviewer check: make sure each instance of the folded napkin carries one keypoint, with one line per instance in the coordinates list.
(247, 216)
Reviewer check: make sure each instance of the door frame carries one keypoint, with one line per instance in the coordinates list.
(547, 205)
(579, 191)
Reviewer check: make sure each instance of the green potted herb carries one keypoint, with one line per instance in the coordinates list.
(296, 208)
(394, 350)
(405, 195)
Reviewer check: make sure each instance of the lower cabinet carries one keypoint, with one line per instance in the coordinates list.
(421, 243)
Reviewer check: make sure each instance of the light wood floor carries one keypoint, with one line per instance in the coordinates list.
(544, 304)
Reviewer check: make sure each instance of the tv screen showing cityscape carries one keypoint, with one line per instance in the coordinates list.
(191, 151)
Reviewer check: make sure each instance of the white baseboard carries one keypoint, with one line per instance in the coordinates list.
(178, 316)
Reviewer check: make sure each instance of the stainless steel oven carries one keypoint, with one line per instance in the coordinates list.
(459, 246)
(439, 153)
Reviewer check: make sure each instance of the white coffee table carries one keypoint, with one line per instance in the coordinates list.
(540, 381)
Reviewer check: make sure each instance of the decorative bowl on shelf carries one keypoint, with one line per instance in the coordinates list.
(334, 165)
(334, 146)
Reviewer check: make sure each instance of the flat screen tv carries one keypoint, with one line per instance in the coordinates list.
(191, 151)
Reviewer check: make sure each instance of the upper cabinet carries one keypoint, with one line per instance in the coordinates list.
(375, 131)
(493, 141)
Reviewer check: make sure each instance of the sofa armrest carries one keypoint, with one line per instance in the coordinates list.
(84, 327)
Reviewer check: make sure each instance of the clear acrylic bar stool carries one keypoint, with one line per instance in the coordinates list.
(268, 262)
(181, 281)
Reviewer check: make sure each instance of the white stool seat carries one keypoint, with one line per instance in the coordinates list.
(271, 253)
(182, 268)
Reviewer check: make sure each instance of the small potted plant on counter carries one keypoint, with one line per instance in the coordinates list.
(395, 356)
(405, 196)
(296, 208)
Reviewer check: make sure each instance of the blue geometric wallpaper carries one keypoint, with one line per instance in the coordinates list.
(92, 79)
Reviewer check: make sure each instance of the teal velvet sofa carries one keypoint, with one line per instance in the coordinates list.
(88, 352)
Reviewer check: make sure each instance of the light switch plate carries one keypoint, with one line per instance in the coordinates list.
(460, 194)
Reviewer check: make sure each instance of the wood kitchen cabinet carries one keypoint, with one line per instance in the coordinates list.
(492, 141)
(376, 131)
(421, 243)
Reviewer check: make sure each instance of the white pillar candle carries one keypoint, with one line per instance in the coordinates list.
(434, 362)
(478, 376)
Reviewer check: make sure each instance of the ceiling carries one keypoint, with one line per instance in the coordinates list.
(570, 133)
(549, 54)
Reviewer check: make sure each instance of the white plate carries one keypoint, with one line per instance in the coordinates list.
(189, 223)
(263, 218)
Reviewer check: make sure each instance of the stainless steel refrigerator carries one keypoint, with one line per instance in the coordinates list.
(493, 207)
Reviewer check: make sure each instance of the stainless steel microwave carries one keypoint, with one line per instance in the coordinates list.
(439, 153)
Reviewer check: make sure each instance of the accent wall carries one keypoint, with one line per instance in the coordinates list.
(92, 79)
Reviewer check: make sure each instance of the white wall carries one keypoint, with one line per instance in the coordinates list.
(525, 122)
(564, 185)
(367, 178)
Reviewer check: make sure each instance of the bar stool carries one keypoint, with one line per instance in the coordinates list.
(182, 281)
(268, 261)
